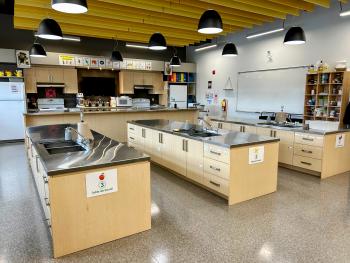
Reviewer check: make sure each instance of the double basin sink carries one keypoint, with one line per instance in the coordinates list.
(197, 133)
(61, 146)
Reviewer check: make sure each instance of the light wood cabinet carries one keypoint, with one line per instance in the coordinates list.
(70, 80)
(126, 82)
(158, 83)
(49, 75)
(148, 78)
(30, 80)
(138, 78)
(221, 125)
(194, 160)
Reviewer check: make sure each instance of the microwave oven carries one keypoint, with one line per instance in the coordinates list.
(124, 101)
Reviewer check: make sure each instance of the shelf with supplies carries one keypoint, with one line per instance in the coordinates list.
(181, 77)
(326, 95)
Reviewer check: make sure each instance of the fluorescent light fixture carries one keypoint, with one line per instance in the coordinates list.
(345, 13)
(67, 38)
(205, 47)
(264, 33)
(136, 46)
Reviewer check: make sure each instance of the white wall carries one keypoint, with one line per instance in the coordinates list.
(328, 38)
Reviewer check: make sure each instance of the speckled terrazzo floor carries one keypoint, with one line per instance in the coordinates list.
(305, 221)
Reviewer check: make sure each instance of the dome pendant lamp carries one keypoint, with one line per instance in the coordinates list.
(230, 50)
(49, 29)
(157, 42)
(295, 36)
(175, 61)
(116, 56)
(210, 22)
(37, 51)
(70, 6)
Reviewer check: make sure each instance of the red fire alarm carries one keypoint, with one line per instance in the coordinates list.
(101, 177)
(213, 72)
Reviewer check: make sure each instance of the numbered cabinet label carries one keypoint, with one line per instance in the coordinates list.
(101, 183)
(256, 154)
(340, 140)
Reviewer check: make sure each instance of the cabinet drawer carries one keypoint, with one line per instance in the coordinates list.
(217, 153)
(307, 163)
(217, 168)
(216, 183)
(131, 128)
(308, 151)
(132, 138)
(309, 139)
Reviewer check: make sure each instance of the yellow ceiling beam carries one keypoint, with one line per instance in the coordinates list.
(82, 30)
(37, 13)
(302, 5)
(323, 3)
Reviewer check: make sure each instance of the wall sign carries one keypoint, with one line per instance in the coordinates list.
(66, 60)
(340, 140)
(256, 154)
(22, 59)
(101, 183)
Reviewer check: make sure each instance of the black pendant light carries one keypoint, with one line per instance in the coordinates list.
(116, 55)
(37, 51)
(230, 50)
(295, 36)
(175, 61)
(157, 42)
(210, 22)
(49, 29)
(70, 6)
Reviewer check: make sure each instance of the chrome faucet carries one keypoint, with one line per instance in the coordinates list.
(83, 140)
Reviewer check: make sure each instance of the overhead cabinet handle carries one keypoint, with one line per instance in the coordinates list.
(216, 184)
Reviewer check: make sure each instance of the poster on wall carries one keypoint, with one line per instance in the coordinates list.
(256, 154)
(101, 62)
(94, 62)
(66, 60)
(340, 140)
(79, 61)
(148, 65)
(101, 183)
(210, 84)
(129, 64)
(23, 59)
(168, 70)
(109, 63)
(86, 62)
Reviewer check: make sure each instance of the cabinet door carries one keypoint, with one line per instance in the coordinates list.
(158, 84)
(194, 162)
(264, 131)
(70, 80)
(138, 78)
(249, 129)
(148, 141)
(174, 153)
(30, 80)
(236, 127)
(57, 75)
(226, 126)
(147, 78)
(285, 153)
(126, 82)
(43, 75)
(285, 136)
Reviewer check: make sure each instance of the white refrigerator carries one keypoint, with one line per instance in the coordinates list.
(12, 107)
(178, 95)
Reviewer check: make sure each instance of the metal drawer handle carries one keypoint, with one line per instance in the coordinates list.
(306, 151)
(308, 139)
(214, 168)
(216, 184)
(215, 152)
(132, 129)
(47, 201)
(306, 163)
(132, 138)
(48, 220)
(45, 181)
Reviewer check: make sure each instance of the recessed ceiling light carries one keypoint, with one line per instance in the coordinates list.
(205, 47)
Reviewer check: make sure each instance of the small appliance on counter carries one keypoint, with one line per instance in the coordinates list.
(53, 104)
(140, 103)
(124, 101)
(80, 100)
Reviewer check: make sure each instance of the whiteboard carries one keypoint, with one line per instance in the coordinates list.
(268, 90)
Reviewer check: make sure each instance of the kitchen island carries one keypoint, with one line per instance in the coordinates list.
(323, 153)
(89, 196)
(233, 165)
(112, 123)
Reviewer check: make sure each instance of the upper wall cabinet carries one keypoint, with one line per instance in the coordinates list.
(35, 75)
(128, 79)
(126, 82)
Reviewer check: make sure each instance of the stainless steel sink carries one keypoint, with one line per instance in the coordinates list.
(198, 133)
(56, 147)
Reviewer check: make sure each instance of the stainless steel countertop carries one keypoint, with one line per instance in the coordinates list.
(107, 111)
(265, 124)
(104, 153)
(227, 139)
